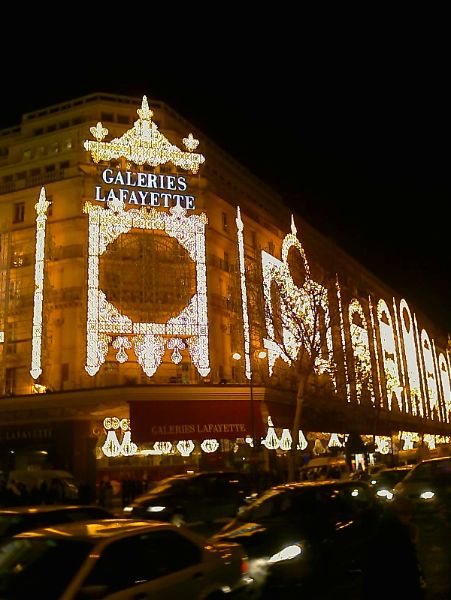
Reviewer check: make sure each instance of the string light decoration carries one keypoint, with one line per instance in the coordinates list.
(446, 385)
(271, 441)
(148, 339)
(185, 447)
(334, 441)
(383, 444)
(144, 144)
(361, 349)
(410, 353)
(376, 350)
(285, 440)
(343, 339)
(246, 334)
(399, 352)
(303, 301)
(41, 208)
(302, 442)
(429, 440)
(431, 382)
(112, 447)
(163, 447)
(389, 353)
(210, 446)
(409, 438)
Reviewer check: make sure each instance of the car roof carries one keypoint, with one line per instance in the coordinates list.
(46, 508)
(97, 529)
(298, 485)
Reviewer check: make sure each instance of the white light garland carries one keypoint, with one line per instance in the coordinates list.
(361, 349)
(285, 440)
(389, 353)
(410, 353)
(247, 343)
(431, 382)
(163, 447)
(446, 385)
(334, 442)
(112, 447)
(302, 442)
(36, 341)
(305, 301)
(271, 441)
(383, 444)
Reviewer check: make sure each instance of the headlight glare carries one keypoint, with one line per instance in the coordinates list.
(286, 553)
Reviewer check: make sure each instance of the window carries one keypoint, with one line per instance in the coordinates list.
(51, 127)
(65, 164)
(226, 261)
(67, 144)
(143, 558)
(271, 248)
(123, 119)
(107, 117)
(38, 131)
(26, 154)
(21, 175)
(54, 148)
(254, 239)
(19, 212)
(40, 151)
(64, 372)
(225, 223)
(49, 168)
(10, 381)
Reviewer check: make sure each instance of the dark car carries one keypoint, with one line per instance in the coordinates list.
(428, 487)
(383, 483)
(121, 558)
(295, 534)
(193, 499)
(14, 520)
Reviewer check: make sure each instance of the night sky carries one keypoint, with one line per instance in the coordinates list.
(353, 132)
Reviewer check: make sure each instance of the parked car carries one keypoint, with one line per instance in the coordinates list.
(120, 559)
(295, 534)
(53, 485)
(14, 520)
(327, 467)
(193, 498)
(383, 483)
(428, 486)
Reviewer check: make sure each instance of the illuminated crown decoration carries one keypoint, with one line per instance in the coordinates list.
(296, 303)
(144, 144)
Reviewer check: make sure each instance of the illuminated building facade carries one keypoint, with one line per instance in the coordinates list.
(136, 258)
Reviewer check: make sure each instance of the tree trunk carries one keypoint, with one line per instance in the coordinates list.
(292, 457)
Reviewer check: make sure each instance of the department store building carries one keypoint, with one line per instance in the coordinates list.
(160, 308)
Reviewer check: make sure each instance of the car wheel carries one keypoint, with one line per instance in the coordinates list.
(178, 519)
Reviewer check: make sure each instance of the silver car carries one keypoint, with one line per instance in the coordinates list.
(120, 559)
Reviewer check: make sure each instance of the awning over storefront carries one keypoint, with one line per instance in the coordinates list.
(168, 420)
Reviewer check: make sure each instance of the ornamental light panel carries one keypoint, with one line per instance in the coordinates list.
(361, 349)
(106, 324)
(410, 352)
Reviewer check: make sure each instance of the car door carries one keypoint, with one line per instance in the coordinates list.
(159, 564)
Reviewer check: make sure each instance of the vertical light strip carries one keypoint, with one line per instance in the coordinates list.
(247, 344)
(401, 356)
(343, 340)
(438, 379)
(36, 344)
(421, 369)
(376, 353)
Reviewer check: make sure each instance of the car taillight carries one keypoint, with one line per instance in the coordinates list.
(244, 566)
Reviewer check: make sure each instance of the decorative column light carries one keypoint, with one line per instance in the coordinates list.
(36, 339)
(247, 343)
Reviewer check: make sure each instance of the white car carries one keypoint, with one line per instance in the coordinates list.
(121, 559)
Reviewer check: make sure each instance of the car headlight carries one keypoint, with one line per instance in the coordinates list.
(155, 508)
(384, 494)
(428, 495)
(286, 553)
(127, 509)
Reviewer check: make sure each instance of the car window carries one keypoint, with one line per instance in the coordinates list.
(437, 471)
(128, 562)
(87, 514)
(24, 561)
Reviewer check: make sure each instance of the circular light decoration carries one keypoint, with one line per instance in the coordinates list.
(163, 447)
(249, 441)
(185, 447)
(210, 445)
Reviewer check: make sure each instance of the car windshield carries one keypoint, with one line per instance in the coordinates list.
(439, 472)
(23, 561)
(390, 477)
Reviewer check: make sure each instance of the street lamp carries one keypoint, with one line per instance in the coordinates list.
(260, 354)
